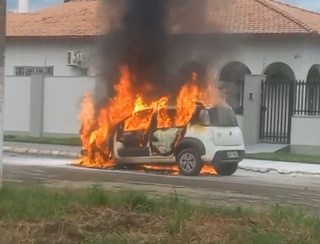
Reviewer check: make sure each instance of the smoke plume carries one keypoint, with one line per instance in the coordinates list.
(137, 37)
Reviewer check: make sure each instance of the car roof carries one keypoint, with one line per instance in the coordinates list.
(200, 105)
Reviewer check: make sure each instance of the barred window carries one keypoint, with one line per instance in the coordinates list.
(28, 71)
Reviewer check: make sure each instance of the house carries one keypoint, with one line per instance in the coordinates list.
(241, 42)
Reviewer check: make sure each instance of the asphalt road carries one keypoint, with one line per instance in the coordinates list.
(243, 188)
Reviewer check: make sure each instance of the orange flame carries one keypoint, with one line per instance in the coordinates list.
(186, 99)
(98, 125)
(174, 170)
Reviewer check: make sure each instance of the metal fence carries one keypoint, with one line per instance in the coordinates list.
(283, 99)
(234, 95)
(276, 111)
(306, 95)
(306, 98)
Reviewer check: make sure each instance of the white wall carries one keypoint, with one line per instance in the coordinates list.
(299, 53)
(17, 104)
(259, 54)
(48, 53)
(62, 98)
(63, 91)
(305, 131)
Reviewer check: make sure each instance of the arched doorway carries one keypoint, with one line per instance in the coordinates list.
(277, 104)
(313, 90)
(231, 79)
(279, 72)
(314, 73)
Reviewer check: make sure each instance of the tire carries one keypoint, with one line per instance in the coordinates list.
(226, 169)
(189, 162)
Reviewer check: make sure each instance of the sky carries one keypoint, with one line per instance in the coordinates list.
(313, 5)
(34, 5)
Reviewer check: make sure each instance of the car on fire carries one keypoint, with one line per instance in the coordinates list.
(212, 137)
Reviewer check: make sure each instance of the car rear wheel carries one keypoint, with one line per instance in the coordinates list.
(226, 169)
(189, 162)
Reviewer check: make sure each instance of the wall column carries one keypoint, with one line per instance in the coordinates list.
(252, 108)
(100, 91)
(36, 105)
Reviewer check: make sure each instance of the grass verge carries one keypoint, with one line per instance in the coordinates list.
(43, 215)
(72, 141)
(286, 157)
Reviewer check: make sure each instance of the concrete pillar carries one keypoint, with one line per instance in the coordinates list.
(1, 112)
(252, 108)
(101, 91)
(36, 105)
(2, 51)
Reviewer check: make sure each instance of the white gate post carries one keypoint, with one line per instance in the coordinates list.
(252, 108)
(36, 105)
(2, 49)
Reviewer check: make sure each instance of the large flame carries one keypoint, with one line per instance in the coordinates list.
(98, 125)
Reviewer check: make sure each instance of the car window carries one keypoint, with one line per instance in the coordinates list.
(139, 121)
(166, 118)
(222, 117)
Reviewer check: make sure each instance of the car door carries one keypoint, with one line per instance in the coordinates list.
(134, 135)
(165, 136)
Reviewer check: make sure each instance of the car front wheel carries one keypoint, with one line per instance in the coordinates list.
(189, 162)
(226, 169)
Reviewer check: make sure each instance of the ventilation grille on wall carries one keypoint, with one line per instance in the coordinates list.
(75, 58)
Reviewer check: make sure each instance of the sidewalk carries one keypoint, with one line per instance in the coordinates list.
(261, 166)
(265, 166)
(264, 148)
(42, 149)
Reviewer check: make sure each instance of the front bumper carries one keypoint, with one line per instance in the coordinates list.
(223, 157)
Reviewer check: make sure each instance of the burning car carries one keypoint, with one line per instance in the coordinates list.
(132, 122)
(211, 136)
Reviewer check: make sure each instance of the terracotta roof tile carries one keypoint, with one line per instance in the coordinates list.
(68, 19)
(309, 18)
(80, 18)
(236, 16)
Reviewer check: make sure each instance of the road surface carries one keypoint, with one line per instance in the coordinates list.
(243, 188)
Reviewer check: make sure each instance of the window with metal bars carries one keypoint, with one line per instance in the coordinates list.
(33, 70)
(233, 92)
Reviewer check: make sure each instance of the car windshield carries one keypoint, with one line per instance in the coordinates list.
(222, 117)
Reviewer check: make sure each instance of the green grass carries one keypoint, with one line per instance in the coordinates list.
(286, 157)
(39, 202)
(93, 215)
(72, 141)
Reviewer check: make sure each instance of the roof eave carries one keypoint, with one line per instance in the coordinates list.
(230, 34)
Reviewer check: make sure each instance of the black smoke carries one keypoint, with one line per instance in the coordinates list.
(139, 39)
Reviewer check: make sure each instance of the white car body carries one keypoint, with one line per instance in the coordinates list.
(218, 146)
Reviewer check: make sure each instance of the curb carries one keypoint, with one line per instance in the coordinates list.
(41, 152)
(278, 171)
(55, 153)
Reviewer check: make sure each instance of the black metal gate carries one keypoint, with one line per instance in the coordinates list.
(276, 111)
